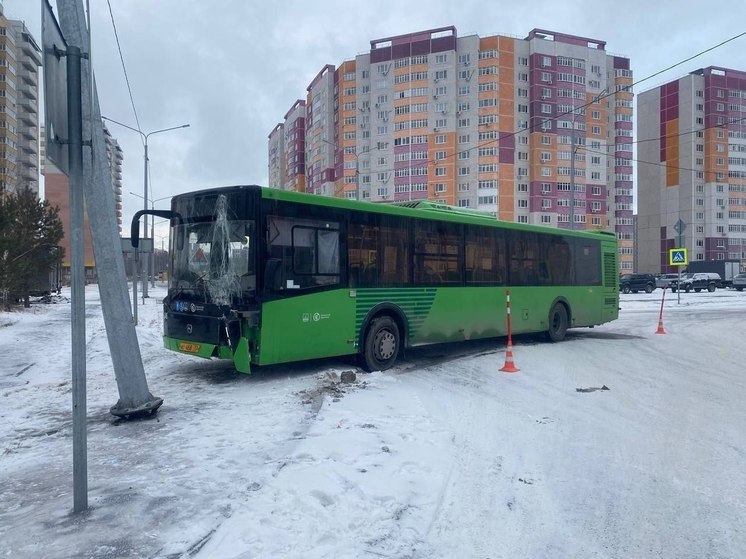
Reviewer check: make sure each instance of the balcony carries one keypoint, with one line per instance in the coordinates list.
(27, 148)
(29, 93)
(31, 53)
(28, 65)
(29, 173)
(28, 118)
(30, 80)
(28, 105)
(27, 133)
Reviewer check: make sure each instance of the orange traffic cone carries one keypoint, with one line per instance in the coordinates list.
(660, 329)
(509, 366)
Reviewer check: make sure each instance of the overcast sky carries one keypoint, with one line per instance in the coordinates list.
(232, 68)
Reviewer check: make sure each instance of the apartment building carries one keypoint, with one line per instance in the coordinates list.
(20, 58)
(56, 192)
(535, 130)
(115, 156)
(287, 142)
(692, 168)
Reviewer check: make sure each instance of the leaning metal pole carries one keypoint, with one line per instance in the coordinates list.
(134, 397)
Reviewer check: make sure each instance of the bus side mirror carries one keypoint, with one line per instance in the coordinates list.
(273, 274)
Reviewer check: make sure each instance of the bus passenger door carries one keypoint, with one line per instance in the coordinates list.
(307, 314)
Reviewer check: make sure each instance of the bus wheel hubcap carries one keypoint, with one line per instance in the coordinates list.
(386, 345)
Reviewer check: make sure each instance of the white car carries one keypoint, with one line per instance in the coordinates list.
(739, 282)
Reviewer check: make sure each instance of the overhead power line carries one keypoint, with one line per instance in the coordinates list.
(124, 67)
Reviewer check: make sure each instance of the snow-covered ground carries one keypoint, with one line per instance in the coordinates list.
(442, 457)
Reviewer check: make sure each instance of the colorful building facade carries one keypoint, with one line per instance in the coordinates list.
(535, 130)
(692, 168)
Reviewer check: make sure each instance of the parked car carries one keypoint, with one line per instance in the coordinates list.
(704, 280)
(637, 282)
(664, 280)
(674, 284)
(739, 281)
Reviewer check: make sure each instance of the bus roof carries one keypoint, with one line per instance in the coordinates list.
(415, 208)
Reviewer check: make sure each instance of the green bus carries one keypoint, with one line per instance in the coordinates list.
(263, 276)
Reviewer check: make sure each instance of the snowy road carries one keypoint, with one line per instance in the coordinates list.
(443, 456)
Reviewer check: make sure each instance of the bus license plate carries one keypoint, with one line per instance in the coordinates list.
(190, 348)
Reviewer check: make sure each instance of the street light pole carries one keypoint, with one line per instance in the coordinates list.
(145, 188)
(145, 228)
(572, 170)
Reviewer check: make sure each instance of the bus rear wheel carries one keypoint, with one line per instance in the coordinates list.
(381, 346)
(557, 323)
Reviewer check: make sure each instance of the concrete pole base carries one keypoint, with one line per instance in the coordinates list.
(135, 412)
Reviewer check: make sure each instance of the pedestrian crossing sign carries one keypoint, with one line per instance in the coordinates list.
(677, 257)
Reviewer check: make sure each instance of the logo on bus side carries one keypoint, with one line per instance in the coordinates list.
(181, 306)
(307, 317)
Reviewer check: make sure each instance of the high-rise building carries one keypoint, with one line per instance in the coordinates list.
(56, 192)
(287, 144)
(691, 168)
(115, 156)
(20, 59)
(535, 130)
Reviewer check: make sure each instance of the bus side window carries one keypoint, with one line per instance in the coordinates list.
(485, 255)
(559, 260)
(309, 251)
(588, 262)
(362, 254)
(394, 267)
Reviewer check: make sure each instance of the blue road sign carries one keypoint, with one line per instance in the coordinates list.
(677, 257)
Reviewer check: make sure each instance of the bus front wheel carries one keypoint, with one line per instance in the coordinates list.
(557, 323)
(381, 344)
